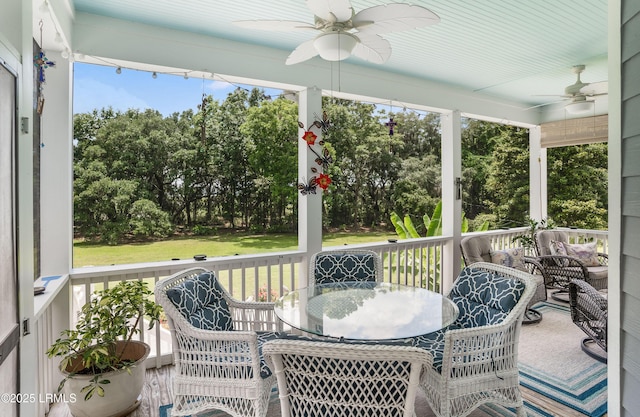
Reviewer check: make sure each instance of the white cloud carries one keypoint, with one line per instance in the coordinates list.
(219, 85)
(90, 94)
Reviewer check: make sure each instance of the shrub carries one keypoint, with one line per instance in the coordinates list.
(148, 220)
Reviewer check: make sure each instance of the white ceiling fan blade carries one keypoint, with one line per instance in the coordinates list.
(393, 17)
(274, 25)
(543, 104)
(372, 48)
(331, 10)
(595, 89)
(303, 52)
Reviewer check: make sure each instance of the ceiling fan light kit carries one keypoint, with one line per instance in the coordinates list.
(579, 107)
(335, 46)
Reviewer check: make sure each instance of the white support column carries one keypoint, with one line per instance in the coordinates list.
(451, 195)
(537, 175)
(310, 205)
(26, 250)
(56, 166)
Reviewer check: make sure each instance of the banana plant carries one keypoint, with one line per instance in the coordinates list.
(405, 229)
(433, 225)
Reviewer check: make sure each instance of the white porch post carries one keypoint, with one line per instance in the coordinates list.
(537, 175)
(451, 196)
(56, 165)
(310, 205)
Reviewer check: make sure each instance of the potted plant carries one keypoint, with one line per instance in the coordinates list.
(527, 240)
(103, 367)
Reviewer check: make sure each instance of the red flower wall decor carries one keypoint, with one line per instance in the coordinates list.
(323, 181)
(323, 159)
(310, 137)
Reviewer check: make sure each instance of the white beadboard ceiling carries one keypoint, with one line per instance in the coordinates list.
(511, 49)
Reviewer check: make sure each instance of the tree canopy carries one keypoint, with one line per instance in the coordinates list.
(233, 164)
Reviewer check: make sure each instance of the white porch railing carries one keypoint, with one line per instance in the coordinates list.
(415, 262)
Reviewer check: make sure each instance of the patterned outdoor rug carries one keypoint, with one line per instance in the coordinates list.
(551, 363)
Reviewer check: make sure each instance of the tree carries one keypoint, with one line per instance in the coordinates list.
(366, 163)
(271, 131)
(418, 188)
(508, 177)
(104, 209)
(229, 155)
(147, 220)
(478, 144)
(420, 134)
(577, 185)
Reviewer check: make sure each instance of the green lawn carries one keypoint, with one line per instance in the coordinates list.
(91, 254)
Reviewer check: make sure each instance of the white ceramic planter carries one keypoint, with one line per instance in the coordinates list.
(120, 396)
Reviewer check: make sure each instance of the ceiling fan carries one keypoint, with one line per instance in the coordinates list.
(343, 32)
(580, 94)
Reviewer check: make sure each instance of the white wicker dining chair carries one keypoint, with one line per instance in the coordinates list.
(332, 266)
(217, 343)
(320, 379)
(475, 360)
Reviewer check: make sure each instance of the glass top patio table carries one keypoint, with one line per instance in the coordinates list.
(366, 310)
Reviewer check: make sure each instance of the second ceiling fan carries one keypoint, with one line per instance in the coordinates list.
(344, 33)
(581, 95)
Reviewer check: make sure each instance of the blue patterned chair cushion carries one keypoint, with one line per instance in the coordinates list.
(201, 301)
(434, 344)
(264, 337)
(484, 297)
(344, 267)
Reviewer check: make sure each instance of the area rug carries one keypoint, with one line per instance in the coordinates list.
(552, 363)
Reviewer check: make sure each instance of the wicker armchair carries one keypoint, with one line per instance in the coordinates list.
(560, 268)
(217, 346)
(344, 265)
(479, 249)
(319, 379)
(475, 360)
(589, 310)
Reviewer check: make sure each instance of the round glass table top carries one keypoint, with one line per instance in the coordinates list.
(366, 310)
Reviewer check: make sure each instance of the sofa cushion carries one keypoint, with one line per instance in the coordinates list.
(513, 258)
(484, 297)
(587, 253)
(201, 301)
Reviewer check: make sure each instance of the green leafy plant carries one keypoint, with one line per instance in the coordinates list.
(527, 240)
(405, 228)
(112, 315)
(430, 257)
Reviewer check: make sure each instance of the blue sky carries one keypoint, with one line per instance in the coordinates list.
(97, 87)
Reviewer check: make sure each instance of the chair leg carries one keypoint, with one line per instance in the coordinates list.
(520, 411)
(591, 348)
(531, 316)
